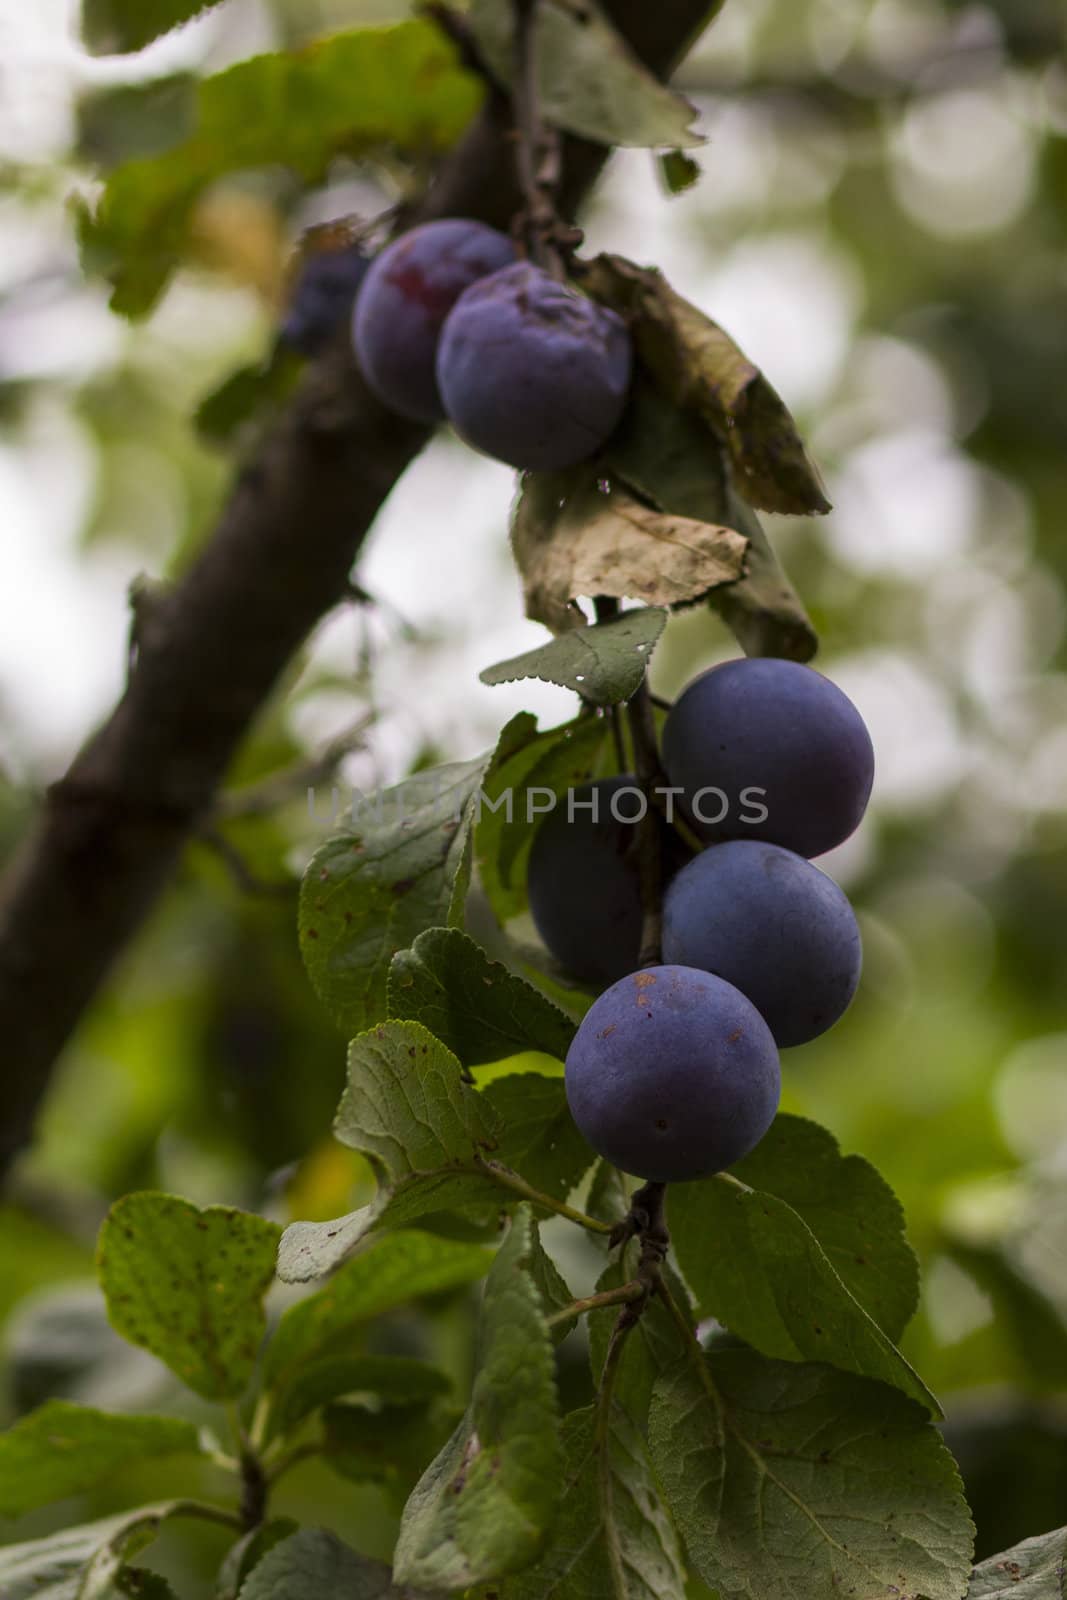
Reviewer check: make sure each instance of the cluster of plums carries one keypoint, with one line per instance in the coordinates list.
(449, 323)
(674, 1071)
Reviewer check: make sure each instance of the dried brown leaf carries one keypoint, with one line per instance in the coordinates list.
(571, 538)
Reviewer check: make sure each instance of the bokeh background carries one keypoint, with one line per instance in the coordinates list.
(882, 224)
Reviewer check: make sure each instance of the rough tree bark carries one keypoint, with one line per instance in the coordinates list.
(210, 651)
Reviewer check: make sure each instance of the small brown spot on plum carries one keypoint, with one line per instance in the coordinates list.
(605, 1033)
(732, 1038)
(642, 981)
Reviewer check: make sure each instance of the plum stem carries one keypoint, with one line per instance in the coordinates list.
(626, 1292)
(650, 854)
(518, 1185)
(645, 1221)
(538, 148)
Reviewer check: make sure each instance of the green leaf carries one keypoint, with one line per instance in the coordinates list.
(290, 109)
(435, 1143)
(538, 1136)
(188, 1285)
(475, 1006)
(1036, 1569)
(113, 26)
(760, 1267)
(392, 1272)
(140, 1583)
(550, 762)
(664, 455)
(605, 662)
(805, 1481)
(370, 891)
(62, 1448)
(613, 1538)
(678, 171)
(425, 1131)
(398, 1379)
(849, 1207)
(484, 1506)
(1029, 1321)
(314, 1564)
(699, 370)
(573, 538)
(589, 81)
(553, 1292)
(609, 1194)
(249, 1550)
(388, 1445)
(135, 119)
(84, 1563)
(651, 1347)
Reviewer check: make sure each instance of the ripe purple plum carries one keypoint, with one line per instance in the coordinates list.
(774, 926)
(673, 1074)
(583, 879)
(322, 297)
(531, 371)
(762, 735)
(405, 297)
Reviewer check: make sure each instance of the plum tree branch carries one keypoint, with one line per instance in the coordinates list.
(110, 834)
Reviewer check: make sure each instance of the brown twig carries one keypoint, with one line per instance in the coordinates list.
(245, 877)
(621, 1296)
(264, 798)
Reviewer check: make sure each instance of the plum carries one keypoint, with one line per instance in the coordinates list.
(404, 299)
(783, 746)
(583, 879)
(531, 371)
(774, 926)
(673, 1074)
(322, 297)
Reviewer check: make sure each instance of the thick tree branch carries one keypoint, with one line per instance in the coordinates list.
(111, 832)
